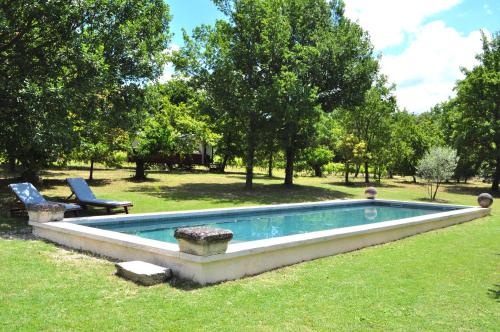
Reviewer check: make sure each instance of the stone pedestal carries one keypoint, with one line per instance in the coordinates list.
(45, 212)
(203, 241)
(485, 200)
(143, 273)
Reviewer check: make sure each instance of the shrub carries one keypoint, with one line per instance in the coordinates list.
(437, 166)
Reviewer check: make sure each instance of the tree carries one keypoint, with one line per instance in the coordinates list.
(437, 166)
(100, 145)
(316, 158)
(352, 151)
(456, 134)
(477, 101)
(371, 121)
(58, 57)
(411, 136)
(169, 129)
(284, 61)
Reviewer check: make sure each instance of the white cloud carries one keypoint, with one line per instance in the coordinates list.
(388, 21)
(168, 70)
(426, 71)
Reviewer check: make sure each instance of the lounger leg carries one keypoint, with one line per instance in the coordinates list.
(126, 209)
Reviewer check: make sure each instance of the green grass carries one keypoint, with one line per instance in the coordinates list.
(442, 280)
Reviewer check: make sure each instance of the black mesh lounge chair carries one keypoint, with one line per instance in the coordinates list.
(26, 193)
(85, 196)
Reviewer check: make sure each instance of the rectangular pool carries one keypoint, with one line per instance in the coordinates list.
(259, 225)
(265, 237)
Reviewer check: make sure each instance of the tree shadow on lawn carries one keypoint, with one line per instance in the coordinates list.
(469, 190)
(362, 184)
(236, 193)
(437, 200)
(494, 293)
(134, 180)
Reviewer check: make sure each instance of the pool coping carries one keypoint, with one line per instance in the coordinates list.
(76, 228)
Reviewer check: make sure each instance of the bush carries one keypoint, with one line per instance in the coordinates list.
(437, 166)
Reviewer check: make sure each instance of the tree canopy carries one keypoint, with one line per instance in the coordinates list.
(65, 61)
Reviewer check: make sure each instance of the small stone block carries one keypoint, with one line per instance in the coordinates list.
(203, 241)
(45, 212)
(203, 234)
(143, 273)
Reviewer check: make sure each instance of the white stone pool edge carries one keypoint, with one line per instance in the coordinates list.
(245, 258)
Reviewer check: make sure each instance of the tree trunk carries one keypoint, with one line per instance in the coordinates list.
(346, 173)
(318, 171)
(140, 169)
(249, 161)
(356, 172)
(390, 175)
(414, 179)
(91, 172)
(31, 175)
(270, 165)
(12, 164)
(224, 163)
(367, 175)
(435, 192)
(290, 159)
(496, 176)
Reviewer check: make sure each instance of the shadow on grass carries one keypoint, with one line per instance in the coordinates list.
(428, 200)
(145, 180)
(494, 293)
(362, 184)
(469, 190)
(235, 193)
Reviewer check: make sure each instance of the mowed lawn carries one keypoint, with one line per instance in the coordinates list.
(447, 279)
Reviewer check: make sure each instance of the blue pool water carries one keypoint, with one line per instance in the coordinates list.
(251, 226)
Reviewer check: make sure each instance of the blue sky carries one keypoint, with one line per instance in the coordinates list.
(423, 42)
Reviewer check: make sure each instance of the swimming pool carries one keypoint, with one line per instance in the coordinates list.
(265, 237)
(260, 225)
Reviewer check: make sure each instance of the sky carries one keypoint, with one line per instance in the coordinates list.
(423, 43)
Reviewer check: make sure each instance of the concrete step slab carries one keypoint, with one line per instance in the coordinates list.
(143, 273)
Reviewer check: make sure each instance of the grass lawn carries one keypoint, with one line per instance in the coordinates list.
(447, 279)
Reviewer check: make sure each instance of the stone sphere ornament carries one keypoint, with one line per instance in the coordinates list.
(485, 200)
(371, 192)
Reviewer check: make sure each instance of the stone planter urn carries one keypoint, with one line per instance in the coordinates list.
(371, 192)
(203, 241)
(45, 212)
(485, 200)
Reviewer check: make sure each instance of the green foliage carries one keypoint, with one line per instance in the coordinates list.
(173, 123)
(272, 68)
(370, 123)
(316, 158)
(478, 122)
(59, 59)
(411, 136)
(437, 165)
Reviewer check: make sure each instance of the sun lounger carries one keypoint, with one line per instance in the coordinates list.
(26, 193)
(85, 196)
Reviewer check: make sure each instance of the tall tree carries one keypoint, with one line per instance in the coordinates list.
(411, 137)
(58, 57)
(478, 96)
(284, 60)
(371, 121)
